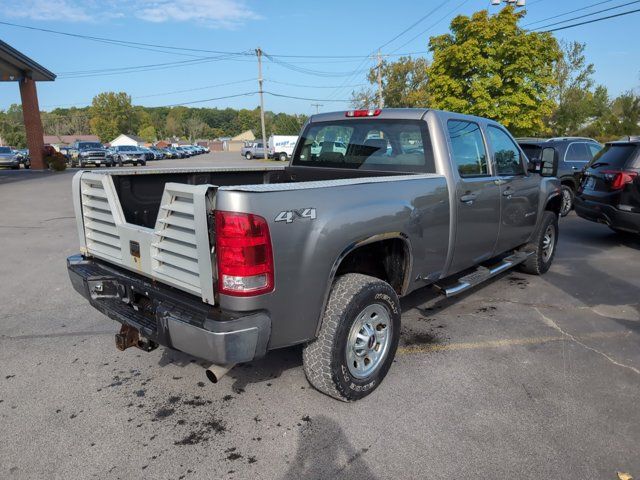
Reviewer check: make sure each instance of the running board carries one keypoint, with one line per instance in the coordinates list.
(482, 274)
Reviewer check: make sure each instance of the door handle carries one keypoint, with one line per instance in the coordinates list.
(507, 193)
(468, 198)
(575, 168)
(499, 181)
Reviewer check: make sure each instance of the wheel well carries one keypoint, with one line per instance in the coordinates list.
(554, 204)
(387, 260)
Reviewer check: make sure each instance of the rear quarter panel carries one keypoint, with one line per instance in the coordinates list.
(306, 251)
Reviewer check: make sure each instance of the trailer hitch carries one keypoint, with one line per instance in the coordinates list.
(130, 337)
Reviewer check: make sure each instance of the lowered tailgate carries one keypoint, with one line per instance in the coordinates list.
(176, 251)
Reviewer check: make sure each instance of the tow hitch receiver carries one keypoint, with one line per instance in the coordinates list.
(130, 337)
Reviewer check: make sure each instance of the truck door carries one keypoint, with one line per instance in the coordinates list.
(519, 191)
(477, 196)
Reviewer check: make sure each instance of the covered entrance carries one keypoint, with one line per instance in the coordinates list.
(17, 67)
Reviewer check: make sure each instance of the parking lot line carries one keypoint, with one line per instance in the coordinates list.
(504, 342)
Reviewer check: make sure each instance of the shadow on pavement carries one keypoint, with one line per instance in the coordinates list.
(324, 451)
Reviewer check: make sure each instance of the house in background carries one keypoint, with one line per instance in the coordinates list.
(63, 140)
(124, 139)
(236, 143)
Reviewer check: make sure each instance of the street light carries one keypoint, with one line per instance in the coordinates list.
(517, 3)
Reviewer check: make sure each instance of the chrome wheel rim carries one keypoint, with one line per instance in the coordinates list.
(566, 201)
(548, 243)
(368, 341)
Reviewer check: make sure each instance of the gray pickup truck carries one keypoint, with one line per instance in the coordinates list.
(227, 264)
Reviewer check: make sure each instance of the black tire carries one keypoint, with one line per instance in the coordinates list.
(567, 196)
(325, 358)
(143, 163)
(14, 167)
(27, 165)
(248, 156)
(541, 260)
(283, 157)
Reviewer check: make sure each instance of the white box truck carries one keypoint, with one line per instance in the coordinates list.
(281, 146)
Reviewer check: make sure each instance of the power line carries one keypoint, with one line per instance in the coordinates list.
(432, 25)
(133, 97)
(305, 98)
(122, 42)
(420, 20)
(591, 21)
(591, 14)
(312, 86)
(586, 7)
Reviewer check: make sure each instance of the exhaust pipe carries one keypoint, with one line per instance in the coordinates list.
(216, 372)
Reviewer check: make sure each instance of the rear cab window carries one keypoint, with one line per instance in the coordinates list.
(367, 144)
(616, 156)
(467, 148)
(507, 157)
(577, 152)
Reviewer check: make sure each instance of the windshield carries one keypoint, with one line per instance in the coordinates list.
(126, 148)
(5, 150)
(366, 144)
(613, 156)
(88, 145)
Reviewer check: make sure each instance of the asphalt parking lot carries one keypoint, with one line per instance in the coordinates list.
(524, 377)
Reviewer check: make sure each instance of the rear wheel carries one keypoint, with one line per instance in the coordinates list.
(282, 157)
(543, 246)
(567, 200)
(358, 338)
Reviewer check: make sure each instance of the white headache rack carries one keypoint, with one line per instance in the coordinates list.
(176, 251)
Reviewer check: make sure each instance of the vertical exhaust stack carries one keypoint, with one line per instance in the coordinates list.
(216, 372)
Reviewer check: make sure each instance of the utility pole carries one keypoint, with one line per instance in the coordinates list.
(317, 105)
(380, 100)
(261, 91)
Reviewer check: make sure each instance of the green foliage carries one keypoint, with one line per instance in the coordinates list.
(111, 114)
(489, 66)
(148, 133)
(404, 85)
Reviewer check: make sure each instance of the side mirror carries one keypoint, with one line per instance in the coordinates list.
(549, 163)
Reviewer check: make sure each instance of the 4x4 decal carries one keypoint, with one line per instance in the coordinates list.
(290, 215)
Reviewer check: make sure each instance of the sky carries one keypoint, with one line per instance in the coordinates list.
(229, 31)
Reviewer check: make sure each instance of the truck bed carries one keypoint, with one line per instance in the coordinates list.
(156, 222)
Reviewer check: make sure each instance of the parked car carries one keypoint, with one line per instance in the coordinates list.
(316, 253)
(9, 158)
(149, 154)
(83, 154)
(175, 153)
(255, 150)
(184, 150)
(24, 157)
(610, 189)
(573, 153)
(159, 153)
(282, 146)
(129, 154)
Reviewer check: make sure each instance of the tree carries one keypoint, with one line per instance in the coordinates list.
(404, 84)
(572, 90)
(489, 66)
(148, 133)
(626, 110)
(111, 114)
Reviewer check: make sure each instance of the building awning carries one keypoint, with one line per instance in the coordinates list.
(14, 66)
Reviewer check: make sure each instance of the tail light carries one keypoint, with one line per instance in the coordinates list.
(363, 113)
(619, 178)
(244, 254)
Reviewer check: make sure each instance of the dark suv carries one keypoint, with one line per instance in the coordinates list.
(610, 189)
(573, 155)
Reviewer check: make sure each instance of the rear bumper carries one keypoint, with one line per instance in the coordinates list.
(607, 214)
(170, 317)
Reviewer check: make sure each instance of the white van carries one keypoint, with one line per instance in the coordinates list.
(281, 146)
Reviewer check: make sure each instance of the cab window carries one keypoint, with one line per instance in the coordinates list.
(506, 154)
(467, 148)
(577, 152)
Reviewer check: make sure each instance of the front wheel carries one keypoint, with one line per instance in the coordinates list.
(358, 338)
(543, 246)
(248, 156)
(567, 200)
